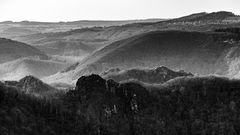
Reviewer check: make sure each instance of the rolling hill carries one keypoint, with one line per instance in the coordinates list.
(9, 29)
(17, 69)
(12, 50)
(220, 16)
(196, 52)
(98, 37)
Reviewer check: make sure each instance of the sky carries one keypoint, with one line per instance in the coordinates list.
(73, 10)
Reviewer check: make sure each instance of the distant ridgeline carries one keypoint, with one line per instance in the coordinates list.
(157, 75)
(184, 105)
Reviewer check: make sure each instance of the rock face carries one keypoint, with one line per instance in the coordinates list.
(105, 98)
(157, 75)
(91, 85)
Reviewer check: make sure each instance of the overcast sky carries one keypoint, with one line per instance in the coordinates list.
(72, 10)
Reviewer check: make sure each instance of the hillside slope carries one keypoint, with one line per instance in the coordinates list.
(199, 53)
(11, 29)
(20, 68)
(220, 16)
(98, 37)
(12, 50)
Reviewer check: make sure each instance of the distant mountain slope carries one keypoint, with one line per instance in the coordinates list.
(157, 75)
(20, 68)
(195, 52)
(61, 38)
(98, 37)
(11, 29)
(66, 48)
(207, 17)
(12, 50)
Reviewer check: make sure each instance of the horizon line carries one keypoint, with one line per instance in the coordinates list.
(112, 20)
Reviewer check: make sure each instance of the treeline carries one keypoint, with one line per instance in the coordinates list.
(183, 106)
(235, 30)
(24, 114)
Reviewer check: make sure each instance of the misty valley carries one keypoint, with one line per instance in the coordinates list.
(177, 76)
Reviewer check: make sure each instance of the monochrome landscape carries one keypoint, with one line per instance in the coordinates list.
(156, 76)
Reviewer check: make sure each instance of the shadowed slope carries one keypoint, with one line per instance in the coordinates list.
(95, 38)
(15, 70)
(12, 50)
(198, 53)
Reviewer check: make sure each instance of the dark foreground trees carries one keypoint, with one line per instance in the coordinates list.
(183, 106)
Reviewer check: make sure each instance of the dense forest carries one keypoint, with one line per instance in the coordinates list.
(181, 106)
(231, 30)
